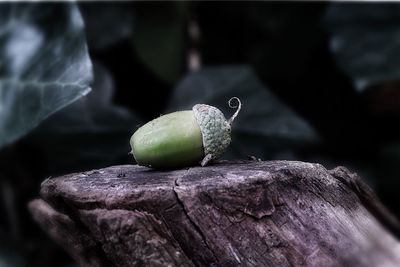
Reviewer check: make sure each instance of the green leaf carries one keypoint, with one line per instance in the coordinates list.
(365, 42)
(44, 64)
(265, 127)
(159, 38)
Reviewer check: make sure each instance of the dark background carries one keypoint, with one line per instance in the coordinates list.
(319, 82)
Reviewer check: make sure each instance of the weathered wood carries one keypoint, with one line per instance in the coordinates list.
(276, 213)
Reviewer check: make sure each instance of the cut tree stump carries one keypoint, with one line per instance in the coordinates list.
(278, 213)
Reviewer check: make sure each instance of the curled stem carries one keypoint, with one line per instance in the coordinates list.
(238, 106)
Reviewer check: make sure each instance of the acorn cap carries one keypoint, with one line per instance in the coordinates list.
(215, 129)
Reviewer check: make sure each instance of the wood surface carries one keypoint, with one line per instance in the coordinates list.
(244, 213)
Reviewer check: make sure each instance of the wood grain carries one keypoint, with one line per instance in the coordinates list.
(277, 213)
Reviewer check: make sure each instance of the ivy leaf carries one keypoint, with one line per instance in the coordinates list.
(90, 133)
(365, 41)
(264, 128)
(44, 64)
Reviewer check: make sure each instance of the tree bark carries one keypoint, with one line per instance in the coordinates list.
(277, 213)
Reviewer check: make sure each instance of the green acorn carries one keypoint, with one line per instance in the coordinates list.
(183, 138)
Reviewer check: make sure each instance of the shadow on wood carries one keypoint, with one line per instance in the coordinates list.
(277, 213)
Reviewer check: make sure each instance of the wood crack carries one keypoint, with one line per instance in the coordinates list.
(194, 225)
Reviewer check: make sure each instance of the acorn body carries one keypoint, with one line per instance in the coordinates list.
(183, 138)
(170, 141)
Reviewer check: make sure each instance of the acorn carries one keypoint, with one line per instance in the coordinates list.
(184, 138)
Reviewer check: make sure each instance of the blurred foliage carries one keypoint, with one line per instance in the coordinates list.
(9, 257)
(365, 42)
(107, 23)
(313, 79)
(287, 47)
(265, 127)
(159, 38)
(388, 173)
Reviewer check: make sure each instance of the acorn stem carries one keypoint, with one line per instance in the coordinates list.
(206, 160)
(238, 106)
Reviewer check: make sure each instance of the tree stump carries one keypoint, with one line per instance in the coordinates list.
(278, 213)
